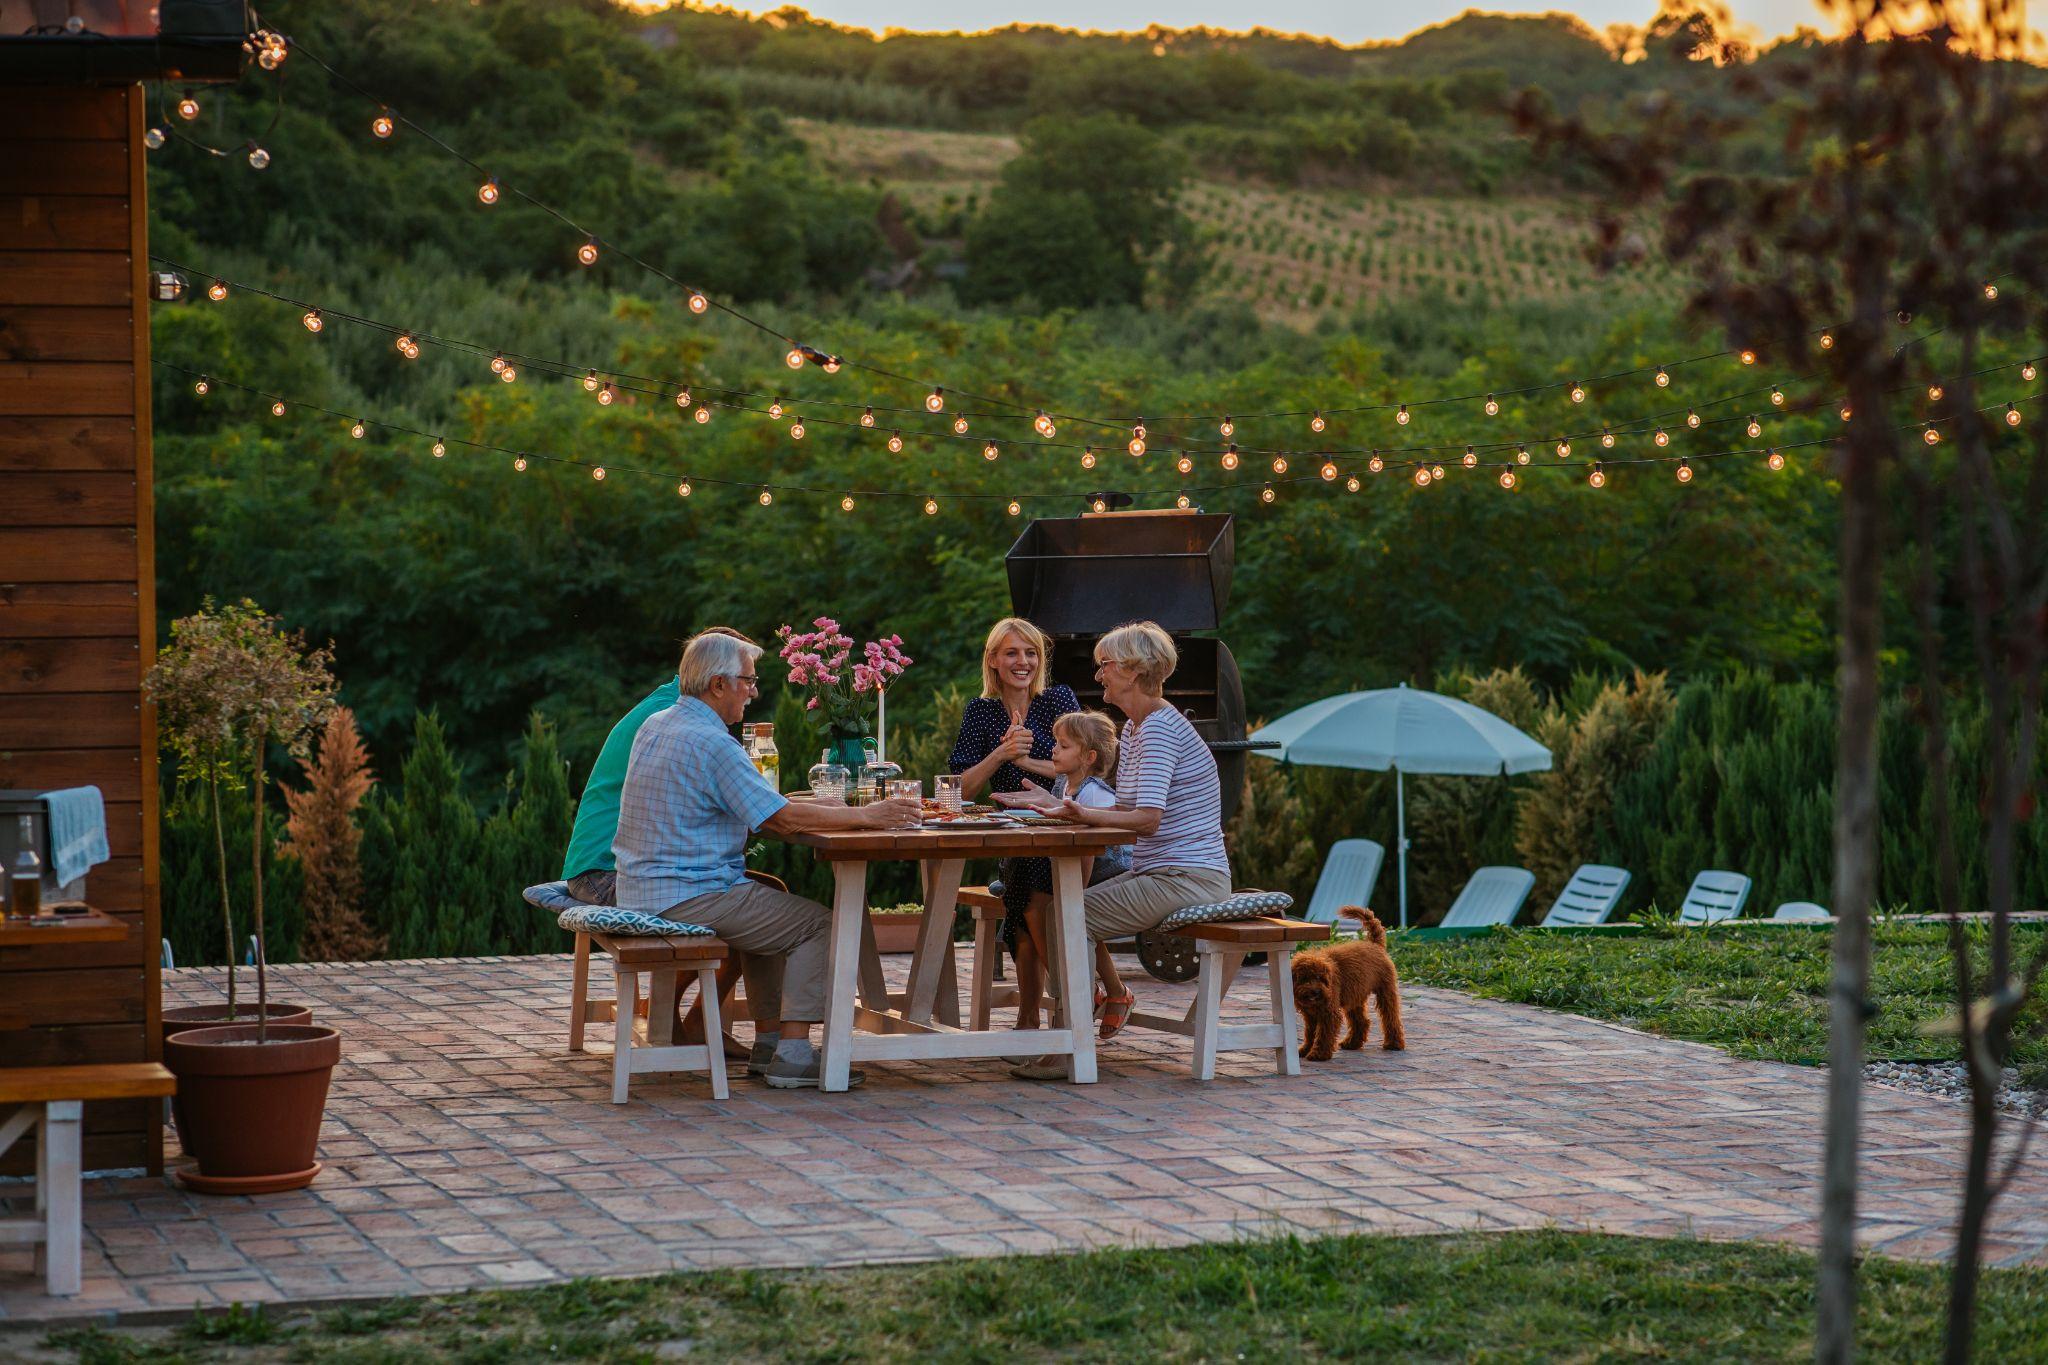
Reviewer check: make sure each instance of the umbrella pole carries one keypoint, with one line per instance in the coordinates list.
(1401, 840)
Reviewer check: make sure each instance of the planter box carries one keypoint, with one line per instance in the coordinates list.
(896, 933)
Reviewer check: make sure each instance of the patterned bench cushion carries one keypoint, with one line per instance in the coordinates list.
(1243, 905)
(579, 918)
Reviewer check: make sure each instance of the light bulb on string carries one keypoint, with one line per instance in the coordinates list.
(1684, 472)
(519, 463)
(1316, 424)
(1279, 464)
(587, 253)
(935, 401)
(931, 507)
(188, 108)
(277, 408)
(1598, 478)
(1087, 459)
(846, 502)
(217, 291)
(698, 303)
(498, 363)
(702, 414)
(607, 395)
(487, 193)
(1228, 428)
(1375, 464)
(153, 139)
(201, 387)
(1098, 505)
(1043, 425)
(1990, 292)
(2027, 371)
(1422, 479)
(597, 473)
(1662, 438)
(1015, 507)
(1183, 502)
(313, 320)
(382, 125)
(1136, 445)
(1578, 393)
(1329, 471)
(1748, 356)
(683, 399)
(832, 364)
(1827, 341)
(356, 430)
(440, 448)
(867, 417)
(1521, 454)
(960, 426)
(259, 160)
(1564, 450)
(1351, 484)
(1774, 459)
(1754, 429)
(1436, 473)
(766, 496)
(1401, 416)
(1934, 393)
(895, 443)
(1267, 494)
(796, 429)
(1470, 459)
(1663, 378)
(1507, 478)
(510, 374)
(775, 408)
(683, 489)
(990, 452)
(1777, 397)
(591, 381)
(1230, 457)
(1932, 436)
(1692, 419)
(1184, 465)
(407, 347)
(2012, 415)
(1492, 406)
(795, 358)
(1847, 412)
(1606, 438)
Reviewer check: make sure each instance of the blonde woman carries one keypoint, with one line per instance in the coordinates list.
(1006, 740)
(1167, 793)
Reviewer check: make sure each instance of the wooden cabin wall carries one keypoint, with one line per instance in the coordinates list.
(77, 584)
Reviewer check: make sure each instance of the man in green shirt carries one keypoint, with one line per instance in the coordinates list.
(588, 866)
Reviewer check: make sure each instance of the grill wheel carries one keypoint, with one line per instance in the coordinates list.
(1166, 957)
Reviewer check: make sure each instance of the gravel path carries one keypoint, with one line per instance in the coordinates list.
(1947, 1080)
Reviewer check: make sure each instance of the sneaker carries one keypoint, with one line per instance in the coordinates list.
(791, 1073)
(759, 1056)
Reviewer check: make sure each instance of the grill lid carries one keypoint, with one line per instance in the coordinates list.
(1085, 575)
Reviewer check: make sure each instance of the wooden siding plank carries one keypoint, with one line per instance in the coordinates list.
(76, 554)
(121, 954)
(67, 499)
(93, 720)
(80, 279)
(37, 611)
(70, 114)
(116, 772)
(124, 829)
(81, 1046)
(99, 996)
(105, 443)
(98, 334)
(144, 572)
(39, 388)
(62, 222)
(70, 665)
(51, 166)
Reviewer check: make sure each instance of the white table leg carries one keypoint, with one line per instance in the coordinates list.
(625, 1002)
(849, 921)
(935, 936)
(874, 987)
(714, 1031)
(61, 1136)
(1280, 971)
(1069, 877)
(579, 992)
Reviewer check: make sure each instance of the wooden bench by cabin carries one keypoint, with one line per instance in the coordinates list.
(48, 1101)
(1222, 946)
(639, 1047)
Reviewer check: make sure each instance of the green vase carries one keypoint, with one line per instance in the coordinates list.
(852, 752)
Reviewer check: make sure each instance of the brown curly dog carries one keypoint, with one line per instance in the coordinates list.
(1335, 982)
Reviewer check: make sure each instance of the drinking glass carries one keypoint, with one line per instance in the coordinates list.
(946, 790)
(907, 789)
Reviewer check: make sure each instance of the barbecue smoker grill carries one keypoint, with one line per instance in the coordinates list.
(1078, 577)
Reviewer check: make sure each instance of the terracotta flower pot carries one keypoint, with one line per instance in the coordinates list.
(216, 1014)
(896, 933)
(250, 1113)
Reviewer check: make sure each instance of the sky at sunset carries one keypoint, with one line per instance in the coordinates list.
(1350, 21)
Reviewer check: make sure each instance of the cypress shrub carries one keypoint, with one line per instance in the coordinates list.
(522, 843)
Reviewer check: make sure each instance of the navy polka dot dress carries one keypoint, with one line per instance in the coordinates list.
(982, 727)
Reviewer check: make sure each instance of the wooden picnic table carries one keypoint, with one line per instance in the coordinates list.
(877, 1028)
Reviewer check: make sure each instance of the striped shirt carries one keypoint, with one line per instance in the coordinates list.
(1164, 765)
(691, 798)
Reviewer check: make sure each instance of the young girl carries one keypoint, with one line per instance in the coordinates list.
(1083, 759)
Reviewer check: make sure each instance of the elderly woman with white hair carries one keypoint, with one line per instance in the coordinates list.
(690, 801)
(1168, 794)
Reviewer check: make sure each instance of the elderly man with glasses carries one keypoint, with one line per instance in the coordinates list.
(691, 800)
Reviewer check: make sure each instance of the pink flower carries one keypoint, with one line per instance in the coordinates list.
(811, 705)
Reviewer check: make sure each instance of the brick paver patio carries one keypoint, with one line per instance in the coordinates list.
(466, 1147)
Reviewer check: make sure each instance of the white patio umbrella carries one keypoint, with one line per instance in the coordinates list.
(1410, 731)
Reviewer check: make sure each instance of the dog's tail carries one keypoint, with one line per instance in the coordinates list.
(1374, 930)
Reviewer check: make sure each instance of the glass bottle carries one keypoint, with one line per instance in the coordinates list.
(829, 779)
(766, 757)
(25, 879)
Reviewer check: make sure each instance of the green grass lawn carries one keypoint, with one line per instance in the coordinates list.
(1757, 991)
(1504, 1297)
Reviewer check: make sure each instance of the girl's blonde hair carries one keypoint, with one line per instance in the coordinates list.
(1031, 635)
(1091, 730)
(1143, 648)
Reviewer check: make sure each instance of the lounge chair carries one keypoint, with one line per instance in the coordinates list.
(1800, 910)
(1714, 896)
(1349, 874)
(1593, 893)
(1493, 896)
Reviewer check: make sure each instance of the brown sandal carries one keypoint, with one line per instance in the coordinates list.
(1116, 1012)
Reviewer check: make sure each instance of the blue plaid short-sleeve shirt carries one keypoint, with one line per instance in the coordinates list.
(690, 800)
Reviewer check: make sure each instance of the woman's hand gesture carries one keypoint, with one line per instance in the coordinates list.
(1033, 797)
(1017, 740)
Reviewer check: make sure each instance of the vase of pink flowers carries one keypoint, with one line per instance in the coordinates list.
(847, 693)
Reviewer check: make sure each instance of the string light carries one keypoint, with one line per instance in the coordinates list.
(1827, 341)
(201, 386)
(277, 408)
(935, 401)
(1402, 415)
(1507, 478)
(440, 448)
(1521, 454)
(1748, 356)
(1606, 438)
(959, 426)
(1279, 464)
(1663, 378)
(519, 463)
(1329, 471)
(846, 503)
(683, 399)
(1934, 392)
(357, 429)
(1931, 436)
(796, 430)
(931, 507)
(1847, 412)
(590, 382)
(587, 253)
(1015, 507)
(867, 417)
(1436, 473)
(1098, 505)
(1777, 397)
(1774, 459)
(683, 489)
(1183, 502)
(2027, 371)
(2012, 415)
(1087, 459)
(698, 303)
(1754, 429)
(498, 363)
(775, 408)
(1043, 425)
(606, 396)
(1229, 428)
(1684, 472)
(1136, 445)
(406, 346)
(510, 373)
(702, 414)
(1375, 464)
(895, 443)
(832, 364)
(313, 320)
(1662, 438)
(1578, 393)
(1184, 465)
(766, 496)
(153, 139)
(1692, 419)
(188, 108)
(597, 473)
(1316, 424)
(1598, 478)
(1564, 450)
(989, 452)
(1990, 291)
(1267, 494)
(1422, 479)
(1230, 457)
(216, 291)
(1492, 406)
(1350, 484)
(382, 126)
(487, 193)
(795, 358)
(1470, 459)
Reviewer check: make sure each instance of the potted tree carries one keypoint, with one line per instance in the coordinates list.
(252, 1090)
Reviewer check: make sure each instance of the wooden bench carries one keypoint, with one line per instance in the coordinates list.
(48, 1101)
(639, 1047)
(1222, 946)
(983, 994)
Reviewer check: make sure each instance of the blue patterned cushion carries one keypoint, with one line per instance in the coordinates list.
(579, 918)
(1243, 905)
